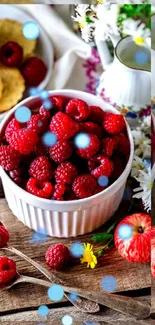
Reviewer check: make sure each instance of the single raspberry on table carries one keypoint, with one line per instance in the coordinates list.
(34, 71)
(9, 158)
(7, 270)
(41, 169)
(11, 54)
(113, 123)
(24, 140)
(59, 191)
(42, 189)
(17, 175)
(4, 235)
(104, 169)
(65, 173)
(90, 127)
(84, 186)
(57, 256)
(40, 149)
(38, 123)
(96, 114)
(77, 109)
(91, 149)
(122, 144)
(108, 145)
(63, 126)
(12, 127)
(61, 151)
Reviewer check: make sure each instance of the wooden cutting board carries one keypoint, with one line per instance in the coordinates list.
(130, 276)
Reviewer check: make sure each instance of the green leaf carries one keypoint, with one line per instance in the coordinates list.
(102, 237)
(112, 227)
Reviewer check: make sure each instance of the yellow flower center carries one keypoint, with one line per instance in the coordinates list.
(81, 24)
(100, 2)
(139, 40)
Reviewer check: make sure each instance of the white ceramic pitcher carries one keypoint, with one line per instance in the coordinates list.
(126, 83)
(153, 57)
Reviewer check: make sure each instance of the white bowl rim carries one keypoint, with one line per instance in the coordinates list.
(49, 47)
(112, 187)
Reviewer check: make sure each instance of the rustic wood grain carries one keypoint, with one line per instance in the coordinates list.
(153, 297)
(129, 276)
(107, 316)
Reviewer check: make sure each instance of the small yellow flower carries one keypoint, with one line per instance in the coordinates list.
(124, 110)
(100, 2)
(88, 256)
(139, 40)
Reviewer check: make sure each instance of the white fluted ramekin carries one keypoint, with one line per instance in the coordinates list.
(65, 218)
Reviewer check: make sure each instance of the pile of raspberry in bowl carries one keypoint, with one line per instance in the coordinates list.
(70, 169)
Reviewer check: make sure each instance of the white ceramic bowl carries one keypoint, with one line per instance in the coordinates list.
(44, 49)
(66, 218)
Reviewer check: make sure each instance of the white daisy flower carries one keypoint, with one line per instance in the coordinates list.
(135, 28)
(81, 19)
(137, 165)
(145, 124)
(144, 190)
(142, 143)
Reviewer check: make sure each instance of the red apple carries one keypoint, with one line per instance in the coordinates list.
(153, 251)
(137, 248)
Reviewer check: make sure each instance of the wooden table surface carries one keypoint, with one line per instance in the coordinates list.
(21, 302)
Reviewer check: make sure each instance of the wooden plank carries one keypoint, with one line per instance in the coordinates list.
(107, 316)
(153, 297)
(129, 276)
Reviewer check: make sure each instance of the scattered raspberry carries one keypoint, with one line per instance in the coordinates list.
(34, 71)
(57, 256)
(65, 173)
(77, 109)
(38, 123)
(9, 158)
(41, 169)
(24, 140)
(84, 186)
(118, 167)
(122, 145)
(113, 123)
(90, 127)
(40, 149)
(96, 114)
(61, 151)
(11, 54)
(7, 270)
(59, 191)
(92, 149)
(38, 188)
(105, 169)
(12, 127)
(63, 126)
(17, 175)
(4, 236)
(108, 145)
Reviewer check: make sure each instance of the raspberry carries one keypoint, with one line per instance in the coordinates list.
(9, 158)
(4, 236)
(65, 173)
(24, 140)
(92, 149)
(105, 168)
(57, 104)
(57, 256)
(16, 175)
(12, 127)
(84, 186)
(90, 127)
(122, 144)
(61, 151)
(11, 54)
(45, 112)
(38, 123)
(63, 126)
(118, 168)
(107, 146)
(7, 270)
(40, 149)
(96, 114)
(98, 189)
(34, 71)
(113, 123)
(41, 169)
(59, 191)
(38, 188)
(77, 109)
